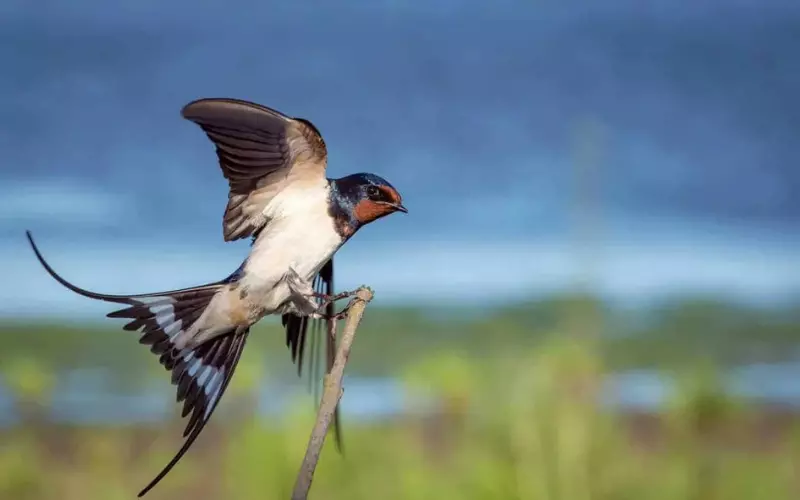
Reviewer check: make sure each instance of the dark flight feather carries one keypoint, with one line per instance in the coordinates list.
(257, 148)
(297, 333)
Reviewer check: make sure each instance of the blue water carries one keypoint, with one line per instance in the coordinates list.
(769, 384)
(83, 396)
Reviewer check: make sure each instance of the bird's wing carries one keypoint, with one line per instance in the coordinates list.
(260, 152)
(297, 334)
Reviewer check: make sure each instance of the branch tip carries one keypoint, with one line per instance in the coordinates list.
(332, 392)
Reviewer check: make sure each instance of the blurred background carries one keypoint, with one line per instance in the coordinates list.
(595, 293)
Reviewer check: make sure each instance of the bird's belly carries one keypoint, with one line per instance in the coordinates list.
(271, 300)
(279, 297)
(302, 247)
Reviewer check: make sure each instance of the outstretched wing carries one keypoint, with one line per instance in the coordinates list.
(297, 335)
(260, 152)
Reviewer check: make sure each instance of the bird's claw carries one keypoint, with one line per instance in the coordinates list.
(341, 314)
(319, 314)
(326, 299)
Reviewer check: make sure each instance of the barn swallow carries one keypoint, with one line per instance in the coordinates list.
(296, 217)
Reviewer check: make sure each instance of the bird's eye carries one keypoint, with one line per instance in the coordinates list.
(373, 192)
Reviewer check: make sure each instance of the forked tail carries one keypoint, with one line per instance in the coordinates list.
(202, 373)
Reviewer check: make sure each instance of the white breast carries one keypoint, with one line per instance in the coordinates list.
(300, 235)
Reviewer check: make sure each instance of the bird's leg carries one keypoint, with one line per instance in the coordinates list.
(327, 299)
(302, 292)
(343, 313)
(321, 313)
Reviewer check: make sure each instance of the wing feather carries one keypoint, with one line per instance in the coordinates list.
(297, 333)
(260, 152)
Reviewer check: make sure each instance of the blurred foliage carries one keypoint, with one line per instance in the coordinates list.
(28, 379)
(663, 335)
(527, 427)
(513, 411)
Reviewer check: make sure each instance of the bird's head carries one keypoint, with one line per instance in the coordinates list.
(369, 197)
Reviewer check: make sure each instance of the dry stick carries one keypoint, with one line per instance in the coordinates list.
(331, 394)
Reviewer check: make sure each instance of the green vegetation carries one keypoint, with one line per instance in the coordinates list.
(514, 414)
(665, 335)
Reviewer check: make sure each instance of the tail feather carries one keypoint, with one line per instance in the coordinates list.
(149, 298)
(202, 376)
(202, 373)
(161, 317)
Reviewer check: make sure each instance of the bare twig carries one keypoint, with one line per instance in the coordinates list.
(331, 394)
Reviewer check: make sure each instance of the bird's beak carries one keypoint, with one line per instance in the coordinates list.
(400, 208)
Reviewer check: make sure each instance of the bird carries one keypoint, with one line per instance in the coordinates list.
(296, 217)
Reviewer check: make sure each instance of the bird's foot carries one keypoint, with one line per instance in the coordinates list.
(321, 313)
(341, 314)
(327, 299)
